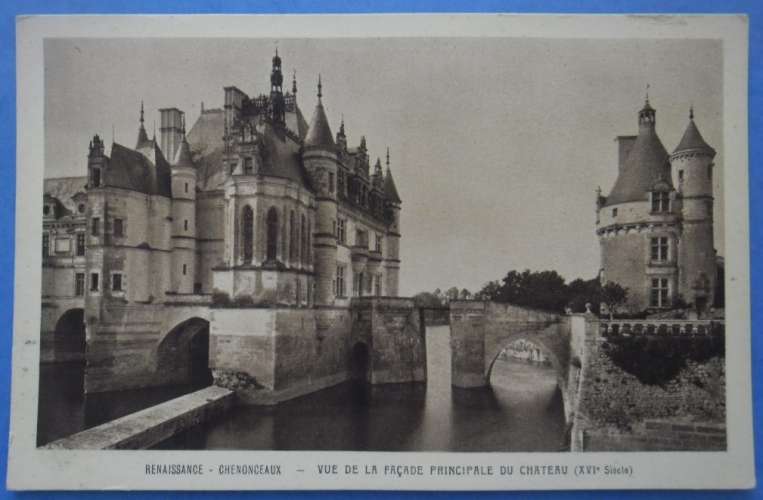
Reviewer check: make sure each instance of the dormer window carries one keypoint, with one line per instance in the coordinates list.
(660, 202)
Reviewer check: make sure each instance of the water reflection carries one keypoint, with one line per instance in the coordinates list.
(64, 409)
(522, 411)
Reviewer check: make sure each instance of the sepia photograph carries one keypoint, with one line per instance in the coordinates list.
(409, 243)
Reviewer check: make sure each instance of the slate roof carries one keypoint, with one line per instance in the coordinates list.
(646, 165)
(281, 158)
(319, 133)
(692, 141)
(133, 170)
(390, 191)
(183, 156)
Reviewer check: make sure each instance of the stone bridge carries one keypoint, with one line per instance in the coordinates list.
(480, 331)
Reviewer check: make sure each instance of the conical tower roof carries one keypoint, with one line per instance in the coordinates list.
(183, 157)
(692, 140)
(389, 188)
(142, 135)
(319, 132)
(647, 164)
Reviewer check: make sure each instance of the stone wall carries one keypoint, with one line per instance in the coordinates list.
(617, 411)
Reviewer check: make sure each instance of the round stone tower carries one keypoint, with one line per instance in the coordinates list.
(693, 162)
(392, 257)
(638, 223)
(319, 157)
(183, 219)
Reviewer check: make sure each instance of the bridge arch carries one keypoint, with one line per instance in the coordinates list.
(69, 336)
(539, 344)
(182, 355)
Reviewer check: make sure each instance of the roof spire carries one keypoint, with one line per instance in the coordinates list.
(387, 156)
(647, 95)
(141, 112)
(294, 82)
(691, 111)
(320, 88)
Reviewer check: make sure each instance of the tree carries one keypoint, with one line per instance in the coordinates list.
(582, 292)
(426, 299)
(465, 294)
(490, 291)
(613, 295)
(452, 293)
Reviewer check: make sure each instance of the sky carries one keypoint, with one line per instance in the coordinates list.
(497, 144)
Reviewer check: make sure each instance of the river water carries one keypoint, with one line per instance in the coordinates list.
(522, 411)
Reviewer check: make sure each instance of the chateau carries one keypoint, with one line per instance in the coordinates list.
(657, 239)
(251, 208)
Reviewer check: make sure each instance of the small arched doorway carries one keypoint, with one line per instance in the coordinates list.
(183, 355)
(69, 341)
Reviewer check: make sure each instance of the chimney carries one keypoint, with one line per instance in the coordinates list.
(624, 146)
(170, 131)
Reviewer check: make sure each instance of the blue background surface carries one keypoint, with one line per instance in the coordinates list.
(11, 8)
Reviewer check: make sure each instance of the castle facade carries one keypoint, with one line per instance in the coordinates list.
(655, 227)
(252, 205)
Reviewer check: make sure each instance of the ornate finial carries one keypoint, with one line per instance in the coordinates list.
(141, 112)
(387, 156)
(294, 82)
(341, 125)
(647, 93)
(363, 142)
(320, 87)
(691, 111)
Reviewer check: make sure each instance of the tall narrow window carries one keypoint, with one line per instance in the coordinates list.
(118, 228)
(340, 230)
(95, 226)
(378, 290)
(340, 284)
(79, 284)
(272, 235)
(331, 182)
(710, 172)
(659, 292)
(303, 228)
(116, 282)
(93, 282)
(660, 201)
(659, 249)
(185, 269)
(309, 244)
(185, 225)
(378, 244)
(292, 237)
(80, 244)
(248, 166)
(96, 177)
(186, 187)
(45, 245)
(247, 221)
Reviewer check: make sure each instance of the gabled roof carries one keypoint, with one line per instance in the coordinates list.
(390, 191)
(692, 141)
(319, 133)
(647, 165)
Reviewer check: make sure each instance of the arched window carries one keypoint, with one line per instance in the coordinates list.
(272, 235)
(308, 258)
(292, 237)
(247, 220)
(304, 240)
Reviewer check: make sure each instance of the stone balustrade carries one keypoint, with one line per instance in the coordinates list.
(608, 328)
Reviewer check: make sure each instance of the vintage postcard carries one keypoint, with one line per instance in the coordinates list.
(451, 252)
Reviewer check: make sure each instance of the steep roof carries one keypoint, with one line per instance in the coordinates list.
(319, 133)
(64, 189)
(281, 156)
(646, 165)
(390, 190)
(183, 156)
(133, 170)
(692, 141)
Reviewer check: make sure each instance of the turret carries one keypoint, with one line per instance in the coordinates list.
(692, 160)
(392, 256)
(142, 136)
(96, 162)
(320, 160)
(278, 107)
(183, 218)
